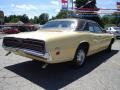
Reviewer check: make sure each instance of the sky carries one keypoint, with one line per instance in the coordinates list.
(36, 7)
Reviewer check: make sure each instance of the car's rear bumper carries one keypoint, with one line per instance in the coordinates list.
(31, 54)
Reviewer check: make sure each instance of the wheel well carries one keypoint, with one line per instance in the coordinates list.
(85, 46)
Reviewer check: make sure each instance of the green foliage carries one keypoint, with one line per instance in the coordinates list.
(44, 17)
(116, 19)
(113, 19)
(15, 18)
(35, 20)
(61, 14)
(24, 18)
(12, 18)
(106, 19)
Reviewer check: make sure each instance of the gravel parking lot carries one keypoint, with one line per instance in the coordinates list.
(101, 72)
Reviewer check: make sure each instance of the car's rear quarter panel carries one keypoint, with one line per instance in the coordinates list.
(68, 45)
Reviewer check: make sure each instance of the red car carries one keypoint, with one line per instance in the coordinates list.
(10, 30)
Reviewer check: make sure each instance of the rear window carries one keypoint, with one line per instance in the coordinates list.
(59, 24)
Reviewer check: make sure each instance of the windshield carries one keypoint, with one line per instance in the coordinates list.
(117, 28)
(60, 24)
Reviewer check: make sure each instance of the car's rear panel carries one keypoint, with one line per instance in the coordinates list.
(35, 45)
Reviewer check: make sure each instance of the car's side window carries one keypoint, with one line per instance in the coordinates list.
(91, 27)
(97, 29)
(81, 25)
(86, 28)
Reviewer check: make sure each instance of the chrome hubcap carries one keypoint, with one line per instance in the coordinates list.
(80, 57)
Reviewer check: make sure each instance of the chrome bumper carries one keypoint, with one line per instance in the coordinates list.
(45, 56)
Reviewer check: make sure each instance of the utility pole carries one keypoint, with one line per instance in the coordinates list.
(72, 4)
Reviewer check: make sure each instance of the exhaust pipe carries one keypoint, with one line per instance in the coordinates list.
(8, 53)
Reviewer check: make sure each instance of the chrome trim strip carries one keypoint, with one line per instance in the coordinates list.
(27, 51)
(32, 52)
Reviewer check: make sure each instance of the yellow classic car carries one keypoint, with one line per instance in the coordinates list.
(61, 40)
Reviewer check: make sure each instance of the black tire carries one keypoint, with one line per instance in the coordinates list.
(34, 60)
(80, 56)
(109, 49)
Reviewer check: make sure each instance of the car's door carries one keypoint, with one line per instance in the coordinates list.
(92, 37)
(102, 37)
(99, 39)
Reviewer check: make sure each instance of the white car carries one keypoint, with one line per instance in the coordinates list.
(114, 30)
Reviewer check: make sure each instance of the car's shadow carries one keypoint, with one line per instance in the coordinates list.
(58, 75)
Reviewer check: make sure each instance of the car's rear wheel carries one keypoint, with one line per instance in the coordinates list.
(109, 49)
(80, 56)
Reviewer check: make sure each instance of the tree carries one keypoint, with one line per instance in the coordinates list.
(24, 18)
(43, 18)
(113, 19)
(36, 20)
(107, 19)
(6, 19)
(61, 14)
(14, 20)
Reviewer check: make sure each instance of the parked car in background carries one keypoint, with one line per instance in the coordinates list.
(41, 26)
(37, 26)
(61, 40)
(31, 27)
(14, 29)
(114, 30)
(10, 30)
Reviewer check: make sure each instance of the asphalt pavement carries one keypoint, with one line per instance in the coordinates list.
(101, 72)
(2, 35)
